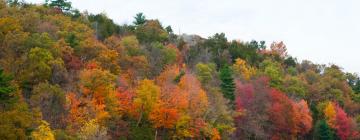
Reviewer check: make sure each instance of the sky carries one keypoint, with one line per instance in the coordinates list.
(322, 31)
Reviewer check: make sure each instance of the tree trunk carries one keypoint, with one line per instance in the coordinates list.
(139, 120)
(155, 134)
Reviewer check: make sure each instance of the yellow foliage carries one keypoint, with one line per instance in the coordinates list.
(330, 114)
(43, 132)
(147, 94)
(92, 130)
(242, 69)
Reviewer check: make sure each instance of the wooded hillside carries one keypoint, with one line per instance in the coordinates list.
(71, 75)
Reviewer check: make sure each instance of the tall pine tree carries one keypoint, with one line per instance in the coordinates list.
(6, 89)
(323, 131)
(227, 83)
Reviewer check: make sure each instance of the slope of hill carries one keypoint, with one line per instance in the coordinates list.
(71, 75)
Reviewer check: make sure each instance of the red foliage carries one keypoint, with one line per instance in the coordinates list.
(343, 124)
(258, 103)
(282, 114)
(245, 95)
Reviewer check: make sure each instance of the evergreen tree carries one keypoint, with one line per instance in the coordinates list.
(323, 131)
(227, 83)
(62, 4)
(139, 19)
(5, 88)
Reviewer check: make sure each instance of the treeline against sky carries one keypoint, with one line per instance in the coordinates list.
(71, 75)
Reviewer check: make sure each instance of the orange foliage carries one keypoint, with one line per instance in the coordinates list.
(163, 117)
(303, 117)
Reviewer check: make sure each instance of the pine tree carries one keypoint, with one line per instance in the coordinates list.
(62, 4)
(227, 83)
(5, 88)
(323, 131)
(140, 19)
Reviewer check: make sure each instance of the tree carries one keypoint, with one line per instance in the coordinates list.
(323, 131)
(330, 115)
(169, 29)
(295, 87)
(248, 51)
(159, 56)
(354, 81)
(163, 116)
(151, 31)
(64, 5)
(304, 117)
(146, 96)
(39, 68)
(278, 49)
(241, 69)
(96, 86)
(274, 71)
(15, 123)
(205, 72)
(227, 83)
(93, 131)
(217, 45)
(343, 124)
(252, 105)
(50, 99)
(97, 83)
(6, 90)
(43, 132)
(104, 27)
(283, 116)
(192, 123)
(140, 19)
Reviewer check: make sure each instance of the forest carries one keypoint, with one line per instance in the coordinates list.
(71, 75)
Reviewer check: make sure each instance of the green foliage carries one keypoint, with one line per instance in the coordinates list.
(247, 51)
(295, 87)
(274, 71)
(143, 132)
(72, 40)
(131, 45)
(103, 26)
(169, 29)
(6, 90)
(140, 19)
(178, 77)
(151, 31)
(290, 62)
(227, 83)
(217, 45)
(323, 131)
(354, 81)
(40, 40)
(39, 69)
(205, 72)
(62, 4)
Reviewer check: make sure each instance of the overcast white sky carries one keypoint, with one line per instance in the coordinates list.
(323, 31)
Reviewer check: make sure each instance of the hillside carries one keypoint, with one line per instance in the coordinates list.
(71, 75)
